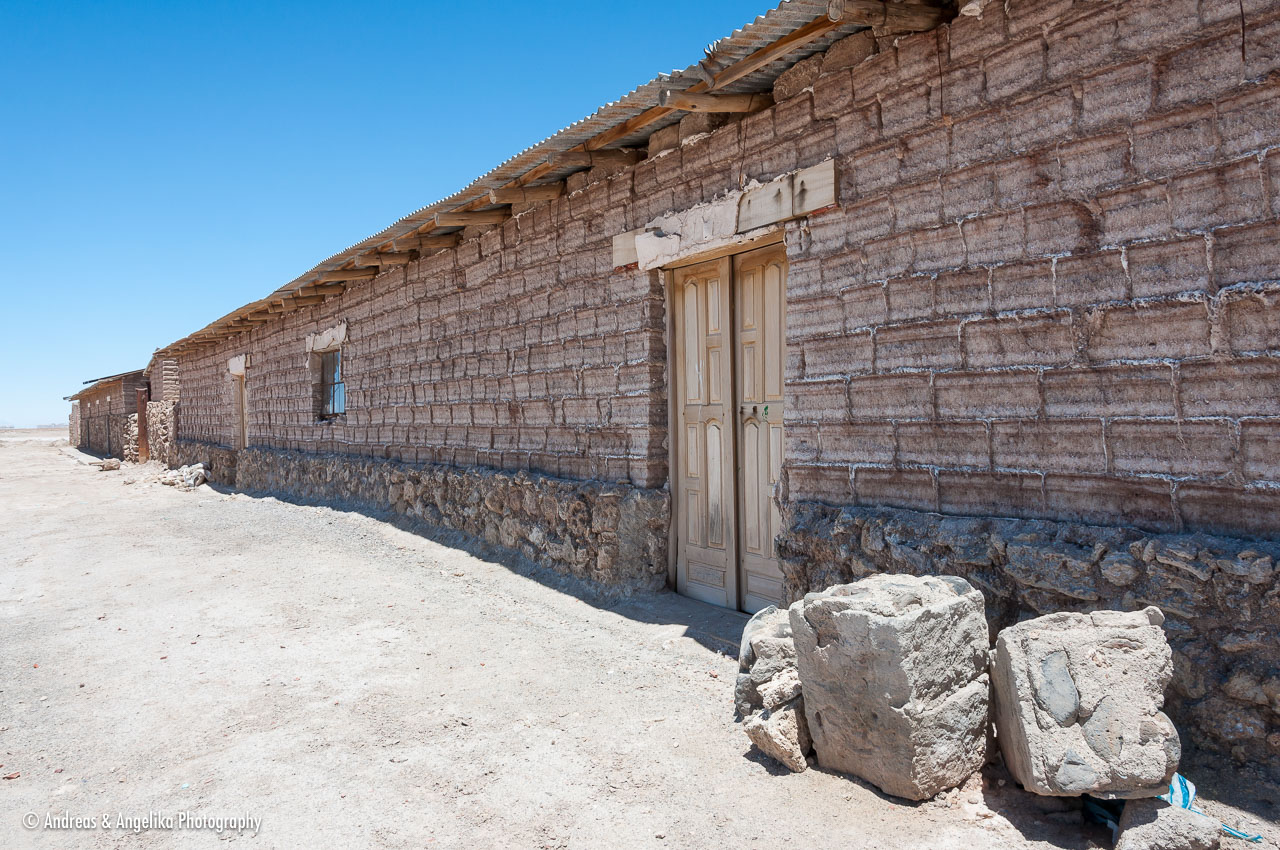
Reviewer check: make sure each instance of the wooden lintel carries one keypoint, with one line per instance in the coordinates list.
(700, 102)
(886, 17)
(307, 300)
(349, 274)
(385, 258)
(591, 159)
(465, 219)
(427, 244)
(525, 194)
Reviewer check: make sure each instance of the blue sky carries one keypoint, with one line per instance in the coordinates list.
(164, 163)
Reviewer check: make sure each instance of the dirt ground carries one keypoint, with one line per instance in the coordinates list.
(350, 684)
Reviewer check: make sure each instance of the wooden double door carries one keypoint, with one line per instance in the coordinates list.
(729, 355)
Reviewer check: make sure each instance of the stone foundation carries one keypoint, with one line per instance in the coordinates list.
(613, 535)
(129, 446)
(1220, 596)
(162, 431)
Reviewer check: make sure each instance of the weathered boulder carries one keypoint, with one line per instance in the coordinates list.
(1077, 701)
(767, 694)
(1153, 824)
(893, 669)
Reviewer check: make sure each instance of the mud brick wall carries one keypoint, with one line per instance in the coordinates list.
(1051, 288)
(520, 350)
(163, 377)
(104, 412)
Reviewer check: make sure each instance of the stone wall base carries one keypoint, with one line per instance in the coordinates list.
(129, 448)
(162, 431)
(1220, 595)
(612, 535)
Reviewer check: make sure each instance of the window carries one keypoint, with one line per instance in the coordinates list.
(333, 392)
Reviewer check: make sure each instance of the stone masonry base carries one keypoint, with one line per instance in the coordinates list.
(612, 535)
(1220, 596)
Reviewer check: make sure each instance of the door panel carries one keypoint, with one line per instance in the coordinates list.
(729, 327)
(242, 412)
(705, 543)
(760, 313)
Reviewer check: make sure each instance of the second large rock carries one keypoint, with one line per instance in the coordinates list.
(1077, 704)
(893, 669)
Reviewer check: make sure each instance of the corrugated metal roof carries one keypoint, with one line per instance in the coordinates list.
(96, 381)
(775, 24)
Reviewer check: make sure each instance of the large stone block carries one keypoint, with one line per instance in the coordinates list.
(1077, 701)
(893, 669)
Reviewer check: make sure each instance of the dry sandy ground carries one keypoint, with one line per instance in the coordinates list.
(354, 685)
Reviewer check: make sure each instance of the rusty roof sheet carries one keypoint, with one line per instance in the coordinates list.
(778, 22)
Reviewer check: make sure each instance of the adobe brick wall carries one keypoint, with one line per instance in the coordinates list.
(104, 411)
(494, 354)
(1051, 288)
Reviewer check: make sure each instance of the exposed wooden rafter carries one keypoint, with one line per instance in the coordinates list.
(526, 194)
(886, 17)
(591, 159)
(427, 244)
(453, 218)
(349, 274)
(684, 101)
(386, 258)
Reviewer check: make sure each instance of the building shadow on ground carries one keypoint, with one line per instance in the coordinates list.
(717, 629)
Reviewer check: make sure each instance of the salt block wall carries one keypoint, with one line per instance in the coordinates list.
(520, 350)
(1050, 289)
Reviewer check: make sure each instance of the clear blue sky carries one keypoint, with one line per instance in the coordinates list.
(163, 163)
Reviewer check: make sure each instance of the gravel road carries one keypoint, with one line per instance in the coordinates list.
(350, 684)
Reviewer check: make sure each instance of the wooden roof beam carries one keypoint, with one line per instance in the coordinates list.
(789, 43)
(526, 194)
(349, 274)
(593, 158)
(386, 258)
(696, 102)
(427, 244)
(466, 219)
(886, 17)
(322, 289)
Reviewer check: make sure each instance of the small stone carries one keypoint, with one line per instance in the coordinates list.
(1119, 569)
(1245, 687)
(1153, 824)
(782, 734)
